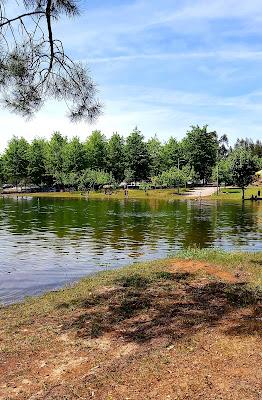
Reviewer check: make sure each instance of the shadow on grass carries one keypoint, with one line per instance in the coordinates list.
(232, 191)
(168, 305)
(256, 262)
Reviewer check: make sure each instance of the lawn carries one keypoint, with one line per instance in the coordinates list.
(165, 194)
(181, 328)
(236, 193)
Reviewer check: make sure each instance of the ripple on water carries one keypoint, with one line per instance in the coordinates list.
(44, 246)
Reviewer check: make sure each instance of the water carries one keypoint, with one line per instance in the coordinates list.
(47, 243)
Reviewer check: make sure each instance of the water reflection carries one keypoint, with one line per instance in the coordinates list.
(45, 243)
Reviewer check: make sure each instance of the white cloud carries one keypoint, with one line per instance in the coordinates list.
(154, 110)
(179, 39)
(240, 54)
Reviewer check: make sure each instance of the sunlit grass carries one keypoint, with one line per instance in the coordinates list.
(164, 194)
(236, 193)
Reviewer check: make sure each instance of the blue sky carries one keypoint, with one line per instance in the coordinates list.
(163, 66)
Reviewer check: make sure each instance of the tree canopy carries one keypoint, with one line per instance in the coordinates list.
(137, 158)
(200, 148)
(99, 161)
(16, 160)
(243, 167)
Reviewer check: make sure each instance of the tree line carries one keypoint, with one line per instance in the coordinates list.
(97, 161)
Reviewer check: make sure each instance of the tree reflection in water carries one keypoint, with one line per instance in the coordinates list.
(53, 240)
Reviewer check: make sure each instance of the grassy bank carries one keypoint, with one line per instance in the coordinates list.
(236, 193)
(137, 332)
(233, 194)
(165, 194)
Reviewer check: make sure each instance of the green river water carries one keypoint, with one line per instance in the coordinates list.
(47, 243)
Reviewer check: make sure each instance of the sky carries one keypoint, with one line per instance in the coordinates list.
(162, 66)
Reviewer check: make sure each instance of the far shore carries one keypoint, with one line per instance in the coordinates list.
(207, 193)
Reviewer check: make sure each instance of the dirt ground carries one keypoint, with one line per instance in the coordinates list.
(200, 192)
(193, 331)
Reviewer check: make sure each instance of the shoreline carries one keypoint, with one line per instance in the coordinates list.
(161, 194)
(228, 260)
(149, 322)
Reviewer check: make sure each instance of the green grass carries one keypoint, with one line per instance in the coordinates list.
(251, 263)
(236, 193)
(165, 194)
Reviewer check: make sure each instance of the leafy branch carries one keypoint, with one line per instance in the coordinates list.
(34, 66)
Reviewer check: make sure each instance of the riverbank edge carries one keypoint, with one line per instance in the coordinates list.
(245, 263)
(225, 194)
(135, 332)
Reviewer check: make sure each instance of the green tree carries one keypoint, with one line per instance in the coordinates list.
(103, 178)
(116, 156)
(187, 174)
(1, 170)
(37, 161)
(170, 177)
(137, 155)
(248, 144)
(95, 147)
(68, 180)
(223, 146)
(174, 177)
(55, 156)
(170, 154)
(129, 175)
(92, 179)
(154, 147)
(87, 179)
(243, 167)
(223, 172)
(201, 148)
(258, 148)
(74, 157)
(16, 160)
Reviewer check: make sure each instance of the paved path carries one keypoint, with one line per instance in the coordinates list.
(201, 192)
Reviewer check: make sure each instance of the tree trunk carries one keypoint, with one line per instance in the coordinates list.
(243, 193)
